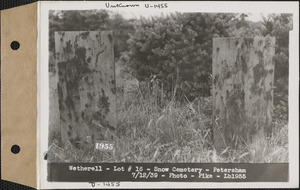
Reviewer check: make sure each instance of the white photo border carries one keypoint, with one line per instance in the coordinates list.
(179, 6)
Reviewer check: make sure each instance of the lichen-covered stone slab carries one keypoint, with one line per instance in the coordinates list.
(243, 81)
(86, 86)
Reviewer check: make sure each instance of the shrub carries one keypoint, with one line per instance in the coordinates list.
(177, 50)
(279, 25)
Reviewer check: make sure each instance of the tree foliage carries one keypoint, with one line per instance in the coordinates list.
(177, 50)
(279, 25)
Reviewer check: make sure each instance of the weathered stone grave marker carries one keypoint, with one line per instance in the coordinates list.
(243, 80)
(86, 86)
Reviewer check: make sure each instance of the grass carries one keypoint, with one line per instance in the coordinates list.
(153, 128)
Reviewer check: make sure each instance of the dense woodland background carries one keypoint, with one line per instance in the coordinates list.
(163, 70)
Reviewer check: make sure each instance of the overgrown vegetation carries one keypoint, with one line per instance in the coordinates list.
(165, 114)
(179, 132)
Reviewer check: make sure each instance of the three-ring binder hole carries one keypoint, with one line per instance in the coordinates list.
(15, 45)
(15, 149)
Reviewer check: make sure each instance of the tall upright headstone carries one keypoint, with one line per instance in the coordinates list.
(243, 81)
(86, 86)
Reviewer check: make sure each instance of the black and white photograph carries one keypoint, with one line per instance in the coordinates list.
(176, 87)
(143, 83)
